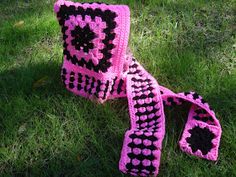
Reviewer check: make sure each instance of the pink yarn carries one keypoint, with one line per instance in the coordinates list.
(97, 65)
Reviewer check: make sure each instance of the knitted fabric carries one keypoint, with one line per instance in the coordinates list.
(97, 66)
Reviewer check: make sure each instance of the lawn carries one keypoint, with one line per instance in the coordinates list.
(47, 131)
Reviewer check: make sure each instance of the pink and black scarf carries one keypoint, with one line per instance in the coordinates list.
(98, 66)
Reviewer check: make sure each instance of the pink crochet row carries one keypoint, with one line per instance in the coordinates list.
(97, 66)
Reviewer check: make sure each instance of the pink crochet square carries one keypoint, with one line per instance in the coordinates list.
(201, 139)
(95, 42)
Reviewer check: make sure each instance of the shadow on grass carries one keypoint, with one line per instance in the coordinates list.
(82, 143)
(96, 154)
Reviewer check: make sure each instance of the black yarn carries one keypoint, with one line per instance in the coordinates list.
(113, 85)
(195, 96)
(200, 139)
(82, 38)
(119, 89)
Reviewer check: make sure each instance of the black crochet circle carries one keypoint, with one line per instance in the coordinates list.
(200, 139)
(82, 38)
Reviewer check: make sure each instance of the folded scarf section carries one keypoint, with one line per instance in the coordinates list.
(97, 66)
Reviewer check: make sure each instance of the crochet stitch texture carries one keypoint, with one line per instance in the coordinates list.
(97, 66)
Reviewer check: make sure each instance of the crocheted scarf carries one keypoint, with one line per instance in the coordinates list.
(98, 66)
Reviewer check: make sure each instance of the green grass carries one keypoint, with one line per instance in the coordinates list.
(47, 131)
